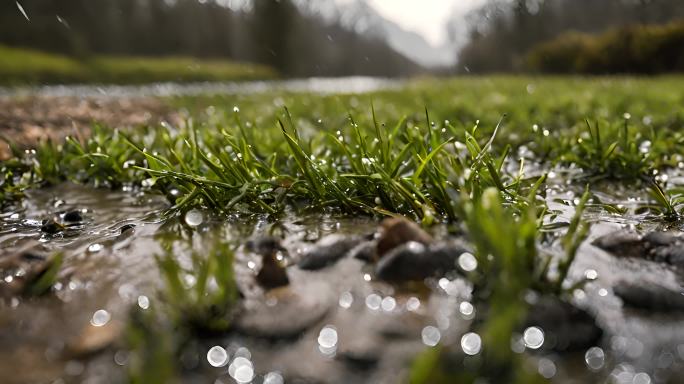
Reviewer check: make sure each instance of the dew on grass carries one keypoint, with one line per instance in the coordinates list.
(194, 217)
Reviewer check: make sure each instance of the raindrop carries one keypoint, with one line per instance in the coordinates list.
(23, 12)
(373, 301)
(595, 358)
(62, 21)
(467, 262)
(546, 368)
(388, 304)
(641, 378)
(430, 336)
(327, 338)
(471, 343)
(591, 274)
(194, 217)
(533, 337)
(143, 302)
(273, 378)
(346, 300)
(412, 304)
(467, 310)
(241, 370)
(93, 248)
(217, 356)
(100, 318)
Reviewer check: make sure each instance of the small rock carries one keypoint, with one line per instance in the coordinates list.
(327, 251)
(94, 339)
(127, 228)
(565, 327)
(660, 238)
(264, 245)
(649, 295)
(272, 274)
(365, 251)
(51, 226)
(396, 231)
(622, 244)
(288, 317)
(72, 217)
(416, 261)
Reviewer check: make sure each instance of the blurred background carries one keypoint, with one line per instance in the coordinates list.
(53, 41)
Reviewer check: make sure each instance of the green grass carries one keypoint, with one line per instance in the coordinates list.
(479, 154)
(20, 66)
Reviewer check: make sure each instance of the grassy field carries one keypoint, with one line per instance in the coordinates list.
(22, 66)
(476, 154)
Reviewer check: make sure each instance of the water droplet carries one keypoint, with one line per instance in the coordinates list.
(100, 318)
(23, 12)
(430, 336)
(143, 302)
(388, 304)
(471, 343)
(641, 378)
(367, 277)
(93, 248)
(591, 274)
(533, 337)
(467, 310)
(327, 340)
(194, 217)
(595, 358)
(241, 370)
(467, 262)
(217, 356)
(546, 368)
(346, 300)
(274, 378)
(412, 304)
(373, 301)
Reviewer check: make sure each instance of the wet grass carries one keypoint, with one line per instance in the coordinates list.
(478, 154)
(20, 66)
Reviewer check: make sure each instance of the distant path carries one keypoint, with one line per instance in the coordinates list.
(321, 85)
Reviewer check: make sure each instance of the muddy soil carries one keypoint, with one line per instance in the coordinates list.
(334, 321)
(28, 119)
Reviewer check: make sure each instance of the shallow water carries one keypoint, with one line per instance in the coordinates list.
(356, 329)
(322, 85)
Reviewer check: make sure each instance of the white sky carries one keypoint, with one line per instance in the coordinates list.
(426, 17)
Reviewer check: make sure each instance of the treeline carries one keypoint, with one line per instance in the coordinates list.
(638, 49)
(503, 32)
(271, 32)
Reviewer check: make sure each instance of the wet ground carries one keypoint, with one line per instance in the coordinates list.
(30, 114)
(336, 324)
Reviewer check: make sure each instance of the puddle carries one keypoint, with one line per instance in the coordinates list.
(353, 327)
(322, 85)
